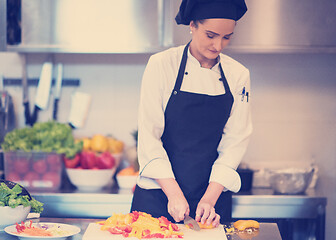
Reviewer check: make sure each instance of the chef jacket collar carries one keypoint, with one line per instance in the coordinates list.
(193, 60)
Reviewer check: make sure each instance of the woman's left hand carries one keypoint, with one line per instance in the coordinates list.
(205, 213)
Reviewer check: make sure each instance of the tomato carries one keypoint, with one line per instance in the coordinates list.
(40, 166)
(156, 235)
(105, 161)
(31, 177)
(52, 177)
(13, 176)
(88, 159)
(73, 162)
(53, 161)
(115, 230)
(21, 165)
(134, 215)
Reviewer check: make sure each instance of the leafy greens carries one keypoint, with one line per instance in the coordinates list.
(47, 137)
(11, 197)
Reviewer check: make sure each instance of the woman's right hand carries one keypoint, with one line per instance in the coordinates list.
(178, 207)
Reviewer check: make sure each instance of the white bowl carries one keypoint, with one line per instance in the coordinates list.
(127, 181)
(90, 179)
(10, 216)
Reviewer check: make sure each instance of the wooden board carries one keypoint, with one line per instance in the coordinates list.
(93, 232)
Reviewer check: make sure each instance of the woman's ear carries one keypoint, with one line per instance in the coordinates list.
(192, 26)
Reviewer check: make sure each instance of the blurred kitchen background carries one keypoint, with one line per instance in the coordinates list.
(289, 47)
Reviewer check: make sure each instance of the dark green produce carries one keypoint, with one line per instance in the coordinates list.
(47, 137)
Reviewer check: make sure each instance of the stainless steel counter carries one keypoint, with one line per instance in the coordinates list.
(268, 231)
(258, 204)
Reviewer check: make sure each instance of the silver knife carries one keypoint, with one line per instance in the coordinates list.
(189, 221)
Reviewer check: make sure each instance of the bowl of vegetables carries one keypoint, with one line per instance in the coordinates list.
(127, 178)
(15, 204)
(91, 171)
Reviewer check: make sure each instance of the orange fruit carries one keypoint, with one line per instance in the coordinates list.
(129, 171)
(86, 144)
(99, 143)
(115, 146)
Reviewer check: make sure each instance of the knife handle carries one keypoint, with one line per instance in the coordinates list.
(33, 118)
(27, 113)
(55, 109)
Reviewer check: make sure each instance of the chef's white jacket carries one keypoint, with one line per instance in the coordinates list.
(157, 85)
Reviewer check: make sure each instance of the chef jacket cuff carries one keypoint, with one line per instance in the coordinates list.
(227, 177)
(157, 169)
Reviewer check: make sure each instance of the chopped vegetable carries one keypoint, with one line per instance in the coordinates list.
(48, 137)
(141, 225)
(40, 230)
(10, 197)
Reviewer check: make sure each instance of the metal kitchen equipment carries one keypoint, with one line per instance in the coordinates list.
(290, 180)
(149, 26)
(7, 113)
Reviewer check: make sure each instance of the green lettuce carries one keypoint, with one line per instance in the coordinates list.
(11, 197)
(47, 137)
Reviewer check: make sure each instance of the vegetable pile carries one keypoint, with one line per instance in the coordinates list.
(47, 137)
(140, 225)
(12, 198)
(52, 230)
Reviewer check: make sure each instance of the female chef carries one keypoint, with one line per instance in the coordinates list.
(194, 119)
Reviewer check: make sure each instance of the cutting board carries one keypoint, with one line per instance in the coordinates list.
(93, 232)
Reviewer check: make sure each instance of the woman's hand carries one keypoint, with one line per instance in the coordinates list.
(205, 213)
(178, 206)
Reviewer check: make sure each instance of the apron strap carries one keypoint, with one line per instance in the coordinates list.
(183, 64)
(223, 79)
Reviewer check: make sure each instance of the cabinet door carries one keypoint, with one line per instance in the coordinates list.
(91, 25)
(277, 25)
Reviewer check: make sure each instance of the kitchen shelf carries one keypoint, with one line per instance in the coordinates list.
(229, 49)
(67, 49)
(34, 82)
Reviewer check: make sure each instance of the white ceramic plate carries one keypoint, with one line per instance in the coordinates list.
(72, 230)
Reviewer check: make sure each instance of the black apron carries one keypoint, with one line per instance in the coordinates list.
(194, 125)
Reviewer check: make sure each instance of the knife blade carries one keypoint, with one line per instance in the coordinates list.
(189, 221)
(57, 92)
(43, 90)
(25, 96)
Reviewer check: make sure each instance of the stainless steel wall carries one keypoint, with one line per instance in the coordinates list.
(110, 26)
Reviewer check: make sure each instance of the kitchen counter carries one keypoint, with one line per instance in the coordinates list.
(260, 204)
(267, 230)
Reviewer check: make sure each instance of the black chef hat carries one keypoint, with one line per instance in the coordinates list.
(205, 9)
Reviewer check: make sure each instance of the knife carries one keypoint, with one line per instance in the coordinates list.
(25, 96)
(57, 92)
(43, 90)
(189, 221)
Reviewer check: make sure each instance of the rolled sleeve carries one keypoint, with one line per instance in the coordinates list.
(235, 138)
(153, 159)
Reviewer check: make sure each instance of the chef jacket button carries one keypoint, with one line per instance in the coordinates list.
(175, 92)
(186, 73)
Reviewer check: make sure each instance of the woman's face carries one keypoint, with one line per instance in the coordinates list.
(210, 37)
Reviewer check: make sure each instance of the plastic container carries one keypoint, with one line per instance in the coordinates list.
(34, 170)
(290, 180)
